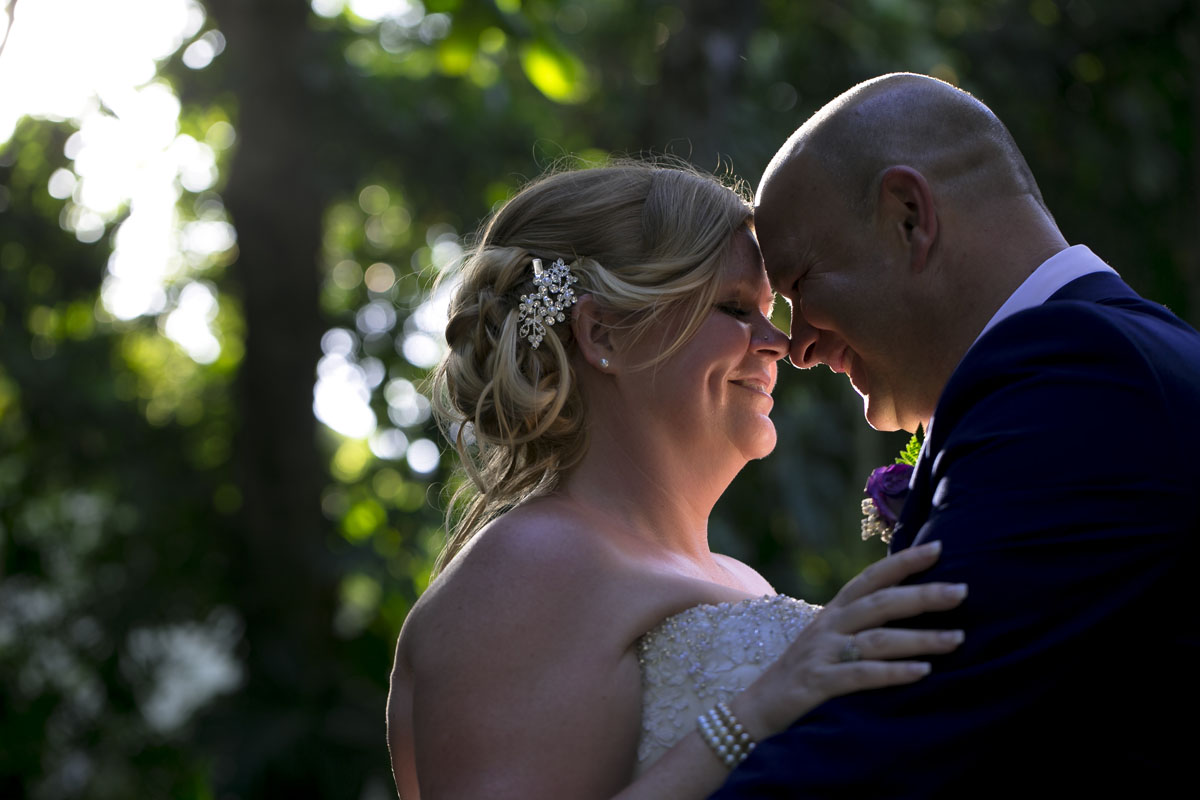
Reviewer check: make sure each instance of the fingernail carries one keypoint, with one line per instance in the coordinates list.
(956, 591)
(952, 637)
(933, 547)
(922, 667)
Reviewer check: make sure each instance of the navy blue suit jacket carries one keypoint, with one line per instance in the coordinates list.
(1062, 474)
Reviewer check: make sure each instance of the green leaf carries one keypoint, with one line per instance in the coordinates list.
(912, 450)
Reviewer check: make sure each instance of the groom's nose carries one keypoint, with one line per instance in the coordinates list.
(803, 349)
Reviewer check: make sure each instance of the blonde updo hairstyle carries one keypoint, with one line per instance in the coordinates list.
(643, 239)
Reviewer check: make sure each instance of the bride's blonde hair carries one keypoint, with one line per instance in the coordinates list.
(643, 239)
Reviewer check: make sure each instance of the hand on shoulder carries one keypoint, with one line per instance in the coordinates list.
(847, 648)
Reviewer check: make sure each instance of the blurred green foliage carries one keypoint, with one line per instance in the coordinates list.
(200, 587)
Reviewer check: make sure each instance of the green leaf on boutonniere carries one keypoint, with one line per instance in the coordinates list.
(910, 453)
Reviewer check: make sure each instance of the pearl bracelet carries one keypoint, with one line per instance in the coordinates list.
(724, 735)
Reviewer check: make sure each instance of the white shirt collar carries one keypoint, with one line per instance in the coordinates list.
(1053, 274)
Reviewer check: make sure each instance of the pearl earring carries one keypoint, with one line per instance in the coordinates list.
(604, 363)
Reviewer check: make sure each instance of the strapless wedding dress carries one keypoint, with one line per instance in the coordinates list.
(703, 656)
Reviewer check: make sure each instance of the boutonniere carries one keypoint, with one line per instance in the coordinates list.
(886, 491)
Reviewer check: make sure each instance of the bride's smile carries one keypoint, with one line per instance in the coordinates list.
(760, 385)
(711, 399)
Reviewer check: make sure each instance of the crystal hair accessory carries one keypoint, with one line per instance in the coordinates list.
(554, 296)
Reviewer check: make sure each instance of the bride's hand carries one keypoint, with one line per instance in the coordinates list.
(845, 650)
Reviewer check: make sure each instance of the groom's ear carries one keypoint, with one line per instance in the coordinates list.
(906, 203)
(592, 329)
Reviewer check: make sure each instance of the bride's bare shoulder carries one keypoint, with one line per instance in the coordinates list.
(536, 564)
(530, 605)
(748, 578)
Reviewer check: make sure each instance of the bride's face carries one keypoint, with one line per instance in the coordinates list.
(712, 397)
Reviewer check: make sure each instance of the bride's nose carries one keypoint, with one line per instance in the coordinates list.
(770, 341)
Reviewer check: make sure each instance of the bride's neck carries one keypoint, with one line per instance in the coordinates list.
(648, 491)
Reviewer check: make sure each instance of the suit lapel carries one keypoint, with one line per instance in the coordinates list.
(916, 505)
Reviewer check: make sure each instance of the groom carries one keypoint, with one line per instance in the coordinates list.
(1061, 468)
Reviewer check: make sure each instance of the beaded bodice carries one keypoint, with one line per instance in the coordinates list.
(704, 655)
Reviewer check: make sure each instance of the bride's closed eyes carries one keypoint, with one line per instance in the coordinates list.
(741, 309)
(734, 309)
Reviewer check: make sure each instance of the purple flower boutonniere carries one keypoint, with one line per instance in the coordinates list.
(886, 491)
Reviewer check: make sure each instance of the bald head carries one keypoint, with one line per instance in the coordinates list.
(896, 221)
(954, 140)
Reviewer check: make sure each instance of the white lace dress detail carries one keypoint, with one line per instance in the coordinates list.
(702, 656)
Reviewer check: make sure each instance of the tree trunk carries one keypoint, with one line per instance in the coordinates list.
(287, 589)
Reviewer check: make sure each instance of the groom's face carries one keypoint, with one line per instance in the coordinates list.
(834, 266)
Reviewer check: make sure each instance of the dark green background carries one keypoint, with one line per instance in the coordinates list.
(141, 493)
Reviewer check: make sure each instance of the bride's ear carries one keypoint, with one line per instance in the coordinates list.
(592, 328)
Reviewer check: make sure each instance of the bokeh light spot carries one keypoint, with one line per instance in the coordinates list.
(389, 444)
(571, 18)
(342, 396)
(556, 74)
(61, 184)
(375, 318)
(380, 277)
(1044, 11)
(421, 349)
(220, 135)
(350, 460)
(423, 456)
(188, 325)
(346, 274)
(328, 8)
(338, 341)
(200, 53)
(1088, 67)
(492, 40)
(373, 199)
(406, 406)
(363, 518)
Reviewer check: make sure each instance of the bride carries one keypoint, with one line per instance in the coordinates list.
(610, 371)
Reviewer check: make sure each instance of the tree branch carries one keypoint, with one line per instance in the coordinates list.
(11, 11)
